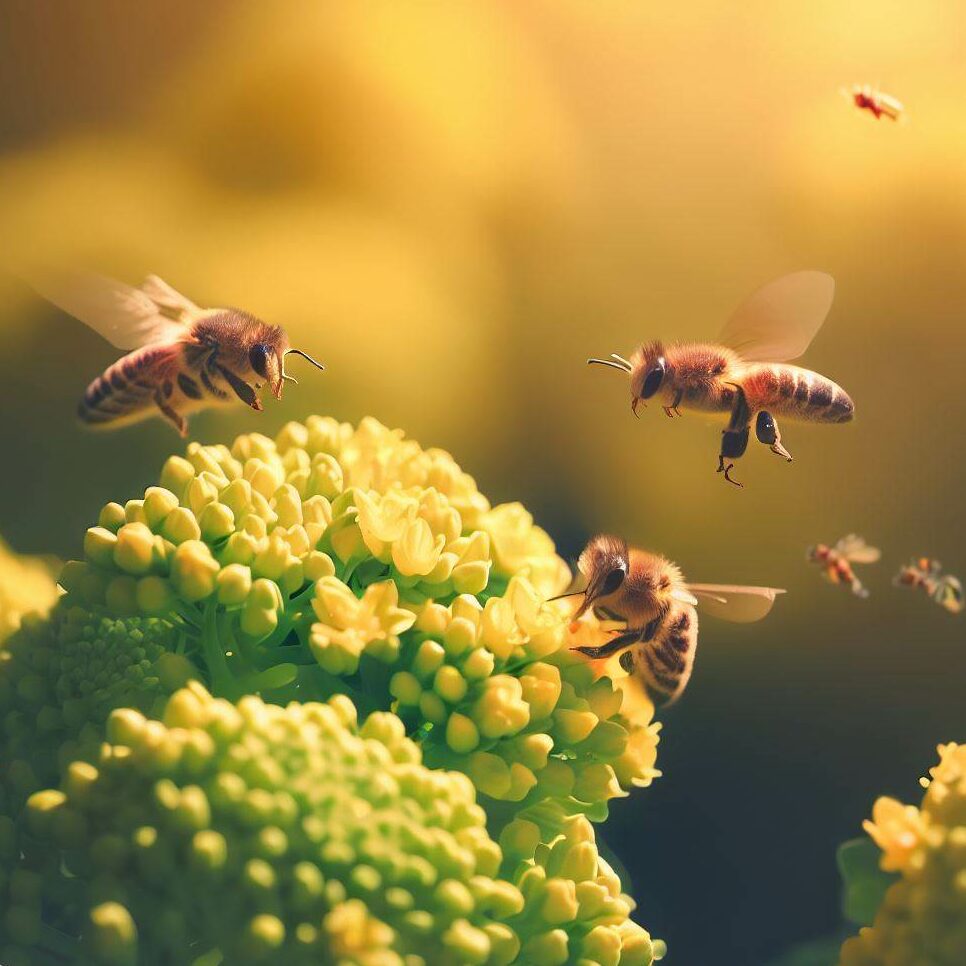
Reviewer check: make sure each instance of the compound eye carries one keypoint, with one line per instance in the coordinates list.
(654, 378)
(258, 357)
(613, 581)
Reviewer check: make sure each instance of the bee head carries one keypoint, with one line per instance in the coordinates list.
(649, 370)
(267, 365)
(604, 563)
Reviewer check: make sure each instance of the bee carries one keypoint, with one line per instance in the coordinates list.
(926, 575)
(657, 608)
(180, 358)
(877, 103)
(836, 562)
(744, 373)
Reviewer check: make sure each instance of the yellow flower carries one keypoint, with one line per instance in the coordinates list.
(922, 918)
(26, 586)
(347, 625)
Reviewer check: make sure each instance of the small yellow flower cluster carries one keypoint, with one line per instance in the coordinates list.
(922, 918)
(26, 585)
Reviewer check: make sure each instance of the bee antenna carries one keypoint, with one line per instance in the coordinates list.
(621, 359)
(305, 355)
(573, 593)
(287, 378)
(622, 365)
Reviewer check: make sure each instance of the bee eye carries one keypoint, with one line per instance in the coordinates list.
(613, 580)
(258, 357)
(654, 378)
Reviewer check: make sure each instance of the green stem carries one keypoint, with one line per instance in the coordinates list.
(222, 680)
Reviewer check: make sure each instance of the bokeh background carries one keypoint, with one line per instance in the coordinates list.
(453, 205)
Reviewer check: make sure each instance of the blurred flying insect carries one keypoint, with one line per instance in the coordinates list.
(743, 372)
(648, 594)
(877, 103)
(181, 358)
(926, 575)
(836, 562)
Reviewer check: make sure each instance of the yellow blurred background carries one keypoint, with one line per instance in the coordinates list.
(453, 205)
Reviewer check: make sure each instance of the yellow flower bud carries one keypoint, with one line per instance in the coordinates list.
(237, 496)
(240, 548)
(176, 474)
(181, 525)
(405, 688)
(462, 735)
(541, 687)
(449, 684)
(134, 550)
(560, 902)
(573, 726)
(111, 517)
(99, 545)
(154, 595)
(201, 491)
(547, 949)
(471, 578)
(317, 565)
(288, 505)
(158, 503)
(134, 512)
(234, 583)
(216, 521)
(193, 570)
(489, 773)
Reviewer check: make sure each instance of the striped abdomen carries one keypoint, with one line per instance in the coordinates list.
(785, 390)
(125, 391)
(664, 663)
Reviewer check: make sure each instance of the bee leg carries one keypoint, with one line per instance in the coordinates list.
(672, 410)
(623, 640)
(241, 388)
(171, 414)
(734, 438)
(766, 429)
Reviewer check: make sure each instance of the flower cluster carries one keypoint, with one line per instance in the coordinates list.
(922, 918)
(350, 560)
(26, 586)
(332, 564)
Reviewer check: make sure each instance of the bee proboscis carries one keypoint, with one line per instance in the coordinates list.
(647, 593)
(745, 373)
(180, 358)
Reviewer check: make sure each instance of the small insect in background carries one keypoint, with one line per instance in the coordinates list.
(926, 574)
(745, 373)
(836, 562)
(180, 358)
(877, 103)
(656, 608)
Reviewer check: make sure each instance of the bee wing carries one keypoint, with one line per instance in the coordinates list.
(779, 321)
(856, 550)
(127, 317)
(731, 602)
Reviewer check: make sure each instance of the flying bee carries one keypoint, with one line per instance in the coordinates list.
(877, 103)
(926, 575)
(744, 373)
(836, 562)
(180, 358)
(648, 595)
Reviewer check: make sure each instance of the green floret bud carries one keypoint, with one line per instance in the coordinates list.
(336, 813)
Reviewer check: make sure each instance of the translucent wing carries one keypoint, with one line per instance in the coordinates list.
(856, 550)
(779, 321)
(730, 602)
(127, 317)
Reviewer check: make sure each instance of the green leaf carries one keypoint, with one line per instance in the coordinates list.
(864, 881)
